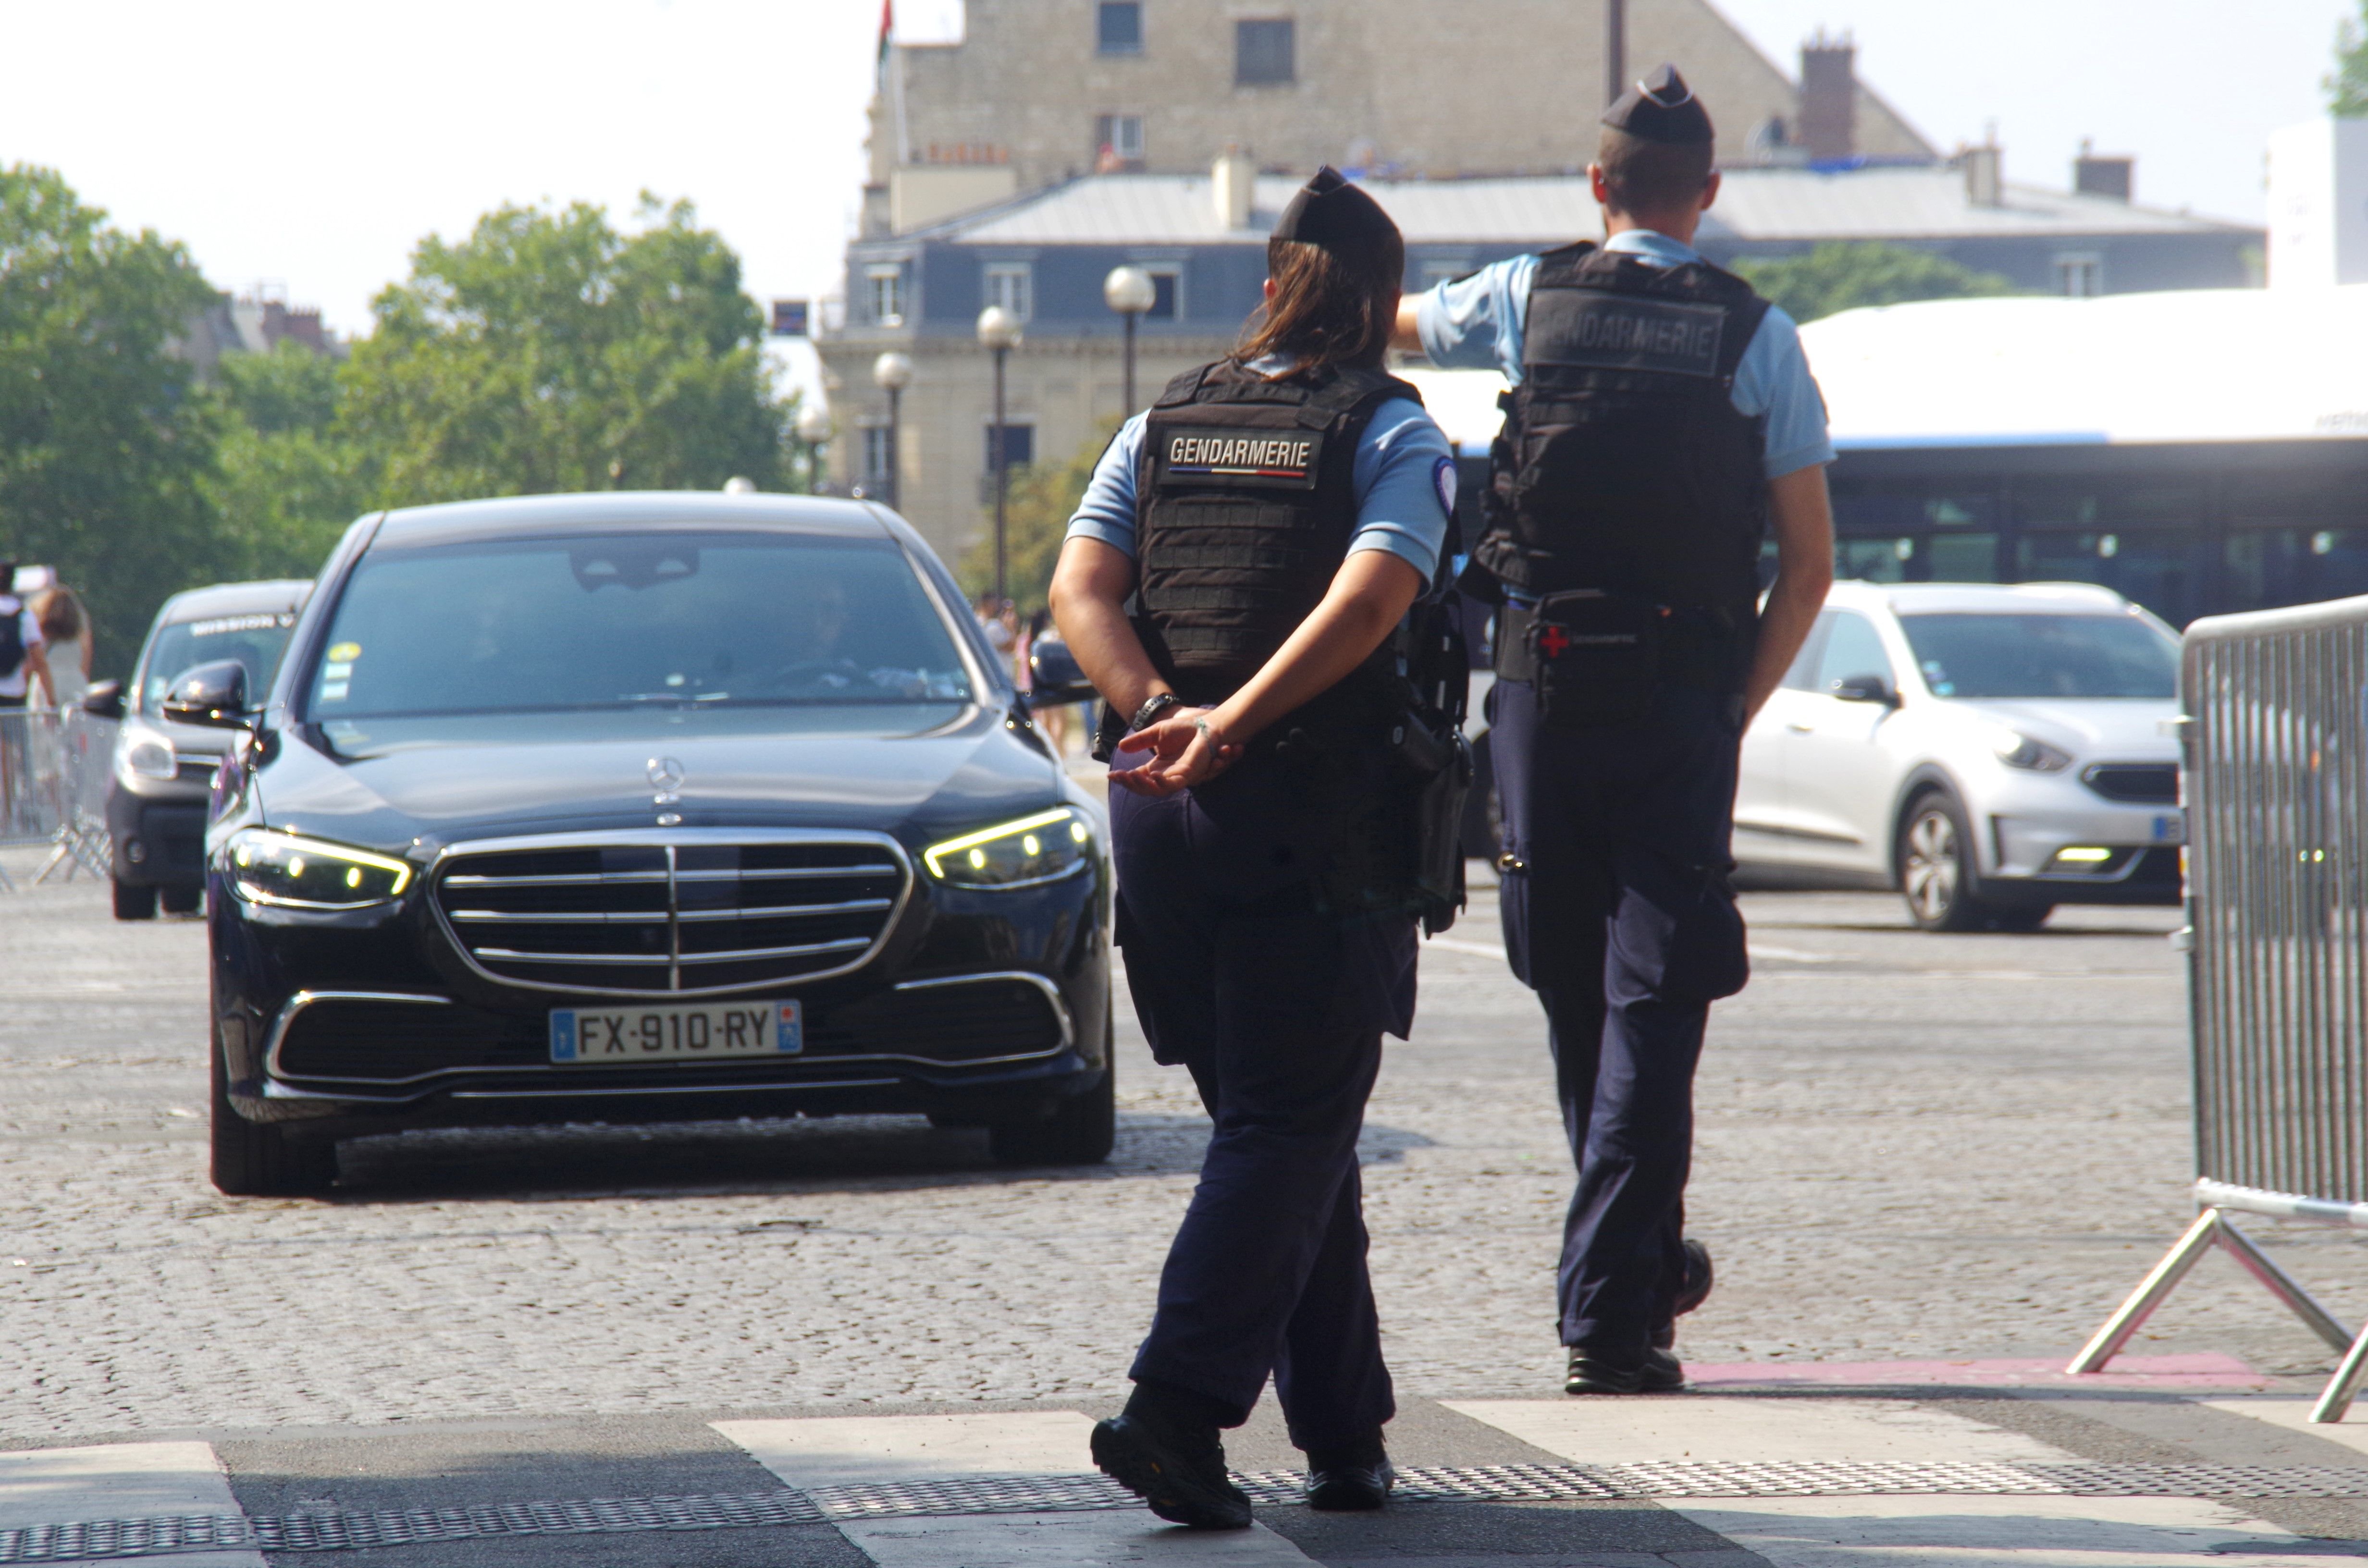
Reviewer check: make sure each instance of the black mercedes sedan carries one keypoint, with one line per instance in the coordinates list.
(636, 807)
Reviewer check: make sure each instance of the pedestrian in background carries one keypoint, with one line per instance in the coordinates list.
(1662, 418)
(21, 661)
(1054, 721)
(1275, 513)
(66, 645)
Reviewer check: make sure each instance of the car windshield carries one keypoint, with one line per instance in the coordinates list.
(620, 621)
(2043, 655)
(255, 641)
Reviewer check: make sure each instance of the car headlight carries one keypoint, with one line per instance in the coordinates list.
(274, 868)
(1041, 848)
(2018, 750)
(146, 754)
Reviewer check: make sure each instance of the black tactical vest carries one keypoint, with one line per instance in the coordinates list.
(1245, 504)
(1623, 464)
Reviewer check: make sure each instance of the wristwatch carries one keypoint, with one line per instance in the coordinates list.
(1153, 707)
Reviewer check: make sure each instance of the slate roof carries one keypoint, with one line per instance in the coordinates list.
(1757, 204)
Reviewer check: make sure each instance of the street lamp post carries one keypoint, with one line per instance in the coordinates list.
(813, 430)
(1615, 50)
(998, 334)
(892, 373)
(1129, 291)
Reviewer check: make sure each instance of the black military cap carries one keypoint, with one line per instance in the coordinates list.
(1661, 108)
(1331, 212)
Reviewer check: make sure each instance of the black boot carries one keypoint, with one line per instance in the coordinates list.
(1591, 1371)
(1164, 1447)
(1353, 1477)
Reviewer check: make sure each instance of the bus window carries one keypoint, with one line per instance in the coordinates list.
(1963, 557)
(1874, 560)
(2265, 567)
(2157, 567)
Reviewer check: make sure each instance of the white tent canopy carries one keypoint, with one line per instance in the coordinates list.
(2202, 365)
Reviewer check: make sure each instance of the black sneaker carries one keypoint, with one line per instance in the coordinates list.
(1352, 1479)
(1181, 1476)
(1700, 1277)
(1693, 1290)
(1657, 1371)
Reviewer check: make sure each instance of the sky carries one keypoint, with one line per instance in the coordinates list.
(307, 147)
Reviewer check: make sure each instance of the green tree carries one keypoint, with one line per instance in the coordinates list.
(103, 445)
(549, 352)
(285, 483)
(2347, 85)
(1842, 277)
(1036, 519)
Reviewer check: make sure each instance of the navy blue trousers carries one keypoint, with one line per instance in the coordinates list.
(1622, 917)
(1277, 1009)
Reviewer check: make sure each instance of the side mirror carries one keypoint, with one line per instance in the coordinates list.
(103, 700)
(1865, 688)
(1054, 674)
(212, 695)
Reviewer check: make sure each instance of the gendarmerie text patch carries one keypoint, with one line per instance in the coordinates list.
(1595, 330)
(1263, 460)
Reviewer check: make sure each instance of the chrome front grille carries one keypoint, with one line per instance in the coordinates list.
(688, 911)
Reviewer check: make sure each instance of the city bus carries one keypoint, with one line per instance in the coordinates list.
(2197, 451)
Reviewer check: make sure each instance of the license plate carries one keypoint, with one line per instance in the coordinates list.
(2170, 830)
(613, 1036)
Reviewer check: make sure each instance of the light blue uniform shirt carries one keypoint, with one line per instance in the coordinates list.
(1476, 323)
(1402, 496)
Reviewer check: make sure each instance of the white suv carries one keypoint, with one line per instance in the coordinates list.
(1991, 751)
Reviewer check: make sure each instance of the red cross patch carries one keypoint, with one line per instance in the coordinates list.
(1554, 640)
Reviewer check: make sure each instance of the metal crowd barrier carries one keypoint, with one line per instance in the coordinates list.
(53, 772)
(2274, 779)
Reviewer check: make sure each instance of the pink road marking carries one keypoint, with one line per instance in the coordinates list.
(2202, 1372)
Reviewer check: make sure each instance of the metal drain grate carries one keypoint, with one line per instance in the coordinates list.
(104, 1539)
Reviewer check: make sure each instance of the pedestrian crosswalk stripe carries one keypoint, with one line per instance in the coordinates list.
(881, 1450)
(2020, 1531)
(127, 1486)
(2293, 1414)
(1713, 1429)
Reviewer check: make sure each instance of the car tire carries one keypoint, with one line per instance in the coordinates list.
(182, 898)
(134, 903)
(259, 1159)
(1080, 1130)
(1936, 873)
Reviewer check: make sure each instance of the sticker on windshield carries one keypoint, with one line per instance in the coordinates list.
(346, 652)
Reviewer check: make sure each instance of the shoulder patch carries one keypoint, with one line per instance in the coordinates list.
(1442, 481)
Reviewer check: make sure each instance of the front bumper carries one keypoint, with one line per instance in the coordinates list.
(2141, 846)
(160, 835)
(976, 1006)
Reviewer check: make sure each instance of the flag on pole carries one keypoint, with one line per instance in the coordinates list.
(887, 30)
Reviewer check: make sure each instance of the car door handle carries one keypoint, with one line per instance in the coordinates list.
(1798, 728)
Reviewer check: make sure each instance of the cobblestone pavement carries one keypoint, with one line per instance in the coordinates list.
(1911, 1146)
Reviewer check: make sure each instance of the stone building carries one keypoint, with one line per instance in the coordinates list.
(1039, 91)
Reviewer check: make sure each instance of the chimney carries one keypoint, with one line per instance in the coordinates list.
(1828, 123)
(1984, 174)
(1232, 182)
(2109, 177)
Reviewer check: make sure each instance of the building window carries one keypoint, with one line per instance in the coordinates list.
(1118, 26)
(884, 288)
(1167, 294)
(2080, 276)
(1009, 285)
(1118, 144)
(1265, 54)
(875, 457)
(1018, 446)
